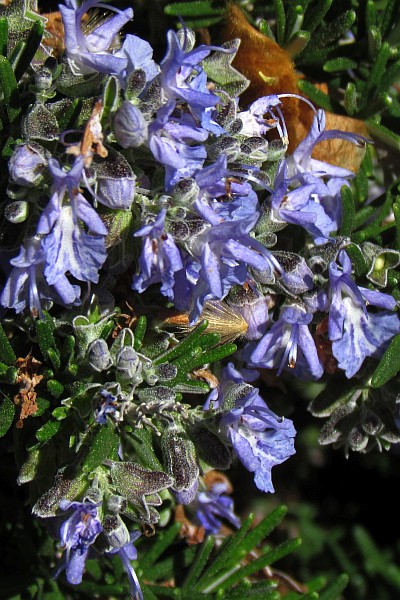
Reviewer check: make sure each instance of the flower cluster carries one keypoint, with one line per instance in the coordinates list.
(165, 190)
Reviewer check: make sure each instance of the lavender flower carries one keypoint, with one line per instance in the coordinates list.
(170, 140)
(107, 406)
(77, 534)
(26, 285)
(260, 438)
(90, 53)
(160, 258)
(177, 69)
(288, 344)
(67, 247)
(212, 506)
(356, 333)
(127, 553)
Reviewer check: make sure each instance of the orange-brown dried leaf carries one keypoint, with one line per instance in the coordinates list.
(192, 533)
(27, 378)
(271, 71)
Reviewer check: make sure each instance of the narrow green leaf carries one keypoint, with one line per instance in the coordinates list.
(374, 42)
(47, 431)
(68, 116)
(378, 69)
(396, 212)
(280, 21)
(141, 440)
(315, 15)
(3, 35)
(44, 332)
(358, 260)
(8, 374)
(104, 445)
(297, 43)
(348, 211)
(186, 345)
(389, 365)
(339, 64)
(7, 412)
(140, 331)
(55, 388)
(332, 31)
(259, 563)
(263, 529)
(7, 354)
(227, 556)
(8, 85)
(350, 99)
(163, 541)
(54, 357)
(360, 182)
(335, 589)
(197, 8)
(199, 562)
(384, 134)
(214, 355)
(362, 216)
(389, 16)
(315, 95)
(31, 46)
(370, 15)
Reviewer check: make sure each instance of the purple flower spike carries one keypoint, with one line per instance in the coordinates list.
(214, 505)
(90, 53)
(261, 438)
(77, 534)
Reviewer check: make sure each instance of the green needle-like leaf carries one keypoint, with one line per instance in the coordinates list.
(7, 354)
(348, 211)
(140, 331)
(199, 563)
(163, 541)
(197, 8)
(8, 85)
(259, 563)
(104, 445)
(3, 36)
(7, 412)
(389, 365)
(31, 46)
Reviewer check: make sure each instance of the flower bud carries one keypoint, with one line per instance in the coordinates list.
(17, 212)
(27, 164)
(115, 530)
(128, 365)
(129, 126)
(99, 356)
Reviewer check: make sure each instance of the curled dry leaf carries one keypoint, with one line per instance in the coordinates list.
(271, 71)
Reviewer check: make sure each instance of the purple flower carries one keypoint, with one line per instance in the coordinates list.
(127, 553)
(171, 137)
(214, 505)
(90, 53)
(139, 55)
(26, 285)
(107, 406)
(288, 344)
(261, 438)
(160, 259)
(354, 331)
(177, 69)
(67, 247)
(77, 534)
